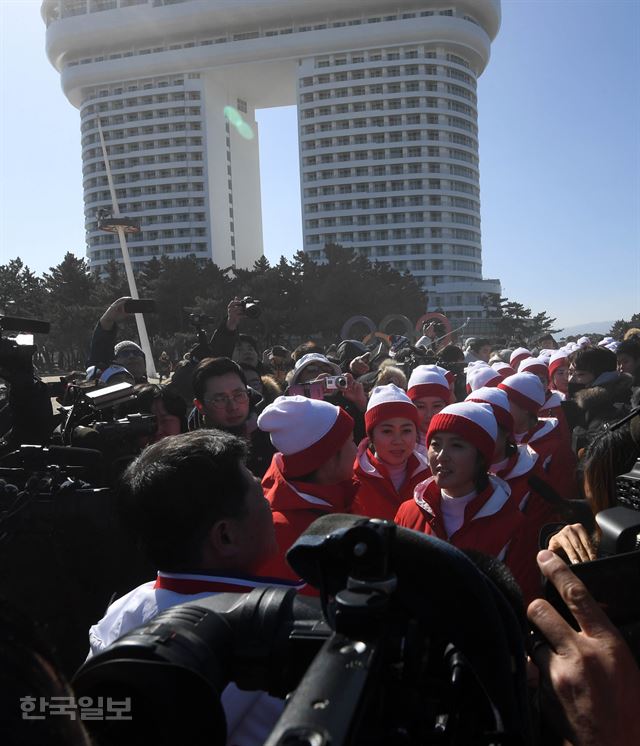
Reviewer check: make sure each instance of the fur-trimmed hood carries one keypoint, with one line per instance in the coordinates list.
(608, 399)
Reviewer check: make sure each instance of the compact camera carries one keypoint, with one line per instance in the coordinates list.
(319, 388)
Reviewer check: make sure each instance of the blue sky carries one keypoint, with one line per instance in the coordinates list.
(559, 156)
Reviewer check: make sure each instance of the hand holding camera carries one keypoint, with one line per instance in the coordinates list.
(240, 308)
(120, 310)
(577, 668)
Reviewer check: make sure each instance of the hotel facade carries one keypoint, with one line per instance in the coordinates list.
(387, 121)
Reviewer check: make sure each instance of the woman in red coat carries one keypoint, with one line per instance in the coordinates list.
(519, 466)
(462, 502)
(388, 465)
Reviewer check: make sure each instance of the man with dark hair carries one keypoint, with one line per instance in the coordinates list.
(307, 348)
(223, 400)
(628, 358)
(245, 351)
(547, 342)
(590, 367)
(600, 391)
(201, 518)
(479, 349)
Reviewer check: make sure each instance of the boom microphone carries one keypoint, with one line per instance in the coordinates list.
(26, 326)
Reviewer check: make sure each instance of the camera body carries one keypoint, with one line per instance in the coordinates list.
(335, 383)
(251, 307)
(376, 662)
(613, 578)
(13, 353)
(319, 388)
(131, 426)
(93, 417)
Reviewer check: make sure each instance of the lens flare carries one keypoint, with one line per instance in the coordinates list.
(235, 118)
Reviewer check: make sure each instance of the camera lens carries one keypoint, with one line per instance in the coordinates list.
(252, 310)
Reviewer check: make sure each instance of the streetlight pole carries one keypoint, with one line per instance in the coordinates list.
(121, 226)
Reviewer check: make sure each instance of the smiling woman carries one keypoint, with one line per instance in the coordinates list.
(461, 502)
(388, 465)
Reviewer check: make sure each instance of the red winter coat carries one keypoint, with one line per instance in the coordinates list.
(557, 460)
(553, 408)
(295, 506)
(537, 511)
(493, 524)
(376, 496)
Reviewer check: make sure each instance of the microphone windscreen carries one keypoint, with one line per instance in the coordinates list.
(436, 583)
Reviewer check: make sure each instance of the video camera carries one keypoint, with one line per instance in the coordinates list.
(390, 656)
(614, 578)
(408, 357)
(251, 308)
(17, 351)
(92, 421)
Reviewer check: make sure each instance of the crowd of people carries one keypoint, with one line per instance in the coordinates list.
(481, 445)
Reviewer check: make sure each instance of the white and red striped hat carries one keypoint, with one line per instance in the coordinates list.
(534, 365)
(448, 374)
(481, 374)
(425, 380)
(517, 355)
(471, 421)
(498, 400)
(387, 402)
(525, 390)
(559, 359)
(307, 432)
(504, 369)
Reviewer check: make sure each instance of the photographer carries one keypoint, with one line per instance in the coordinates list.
(26, 415)
(312, 368)
(589, 680)
(609, 455)
(104, 350)
(226, 341)
(224, 401)
(223, 343)
(167, 407)
(201, 518)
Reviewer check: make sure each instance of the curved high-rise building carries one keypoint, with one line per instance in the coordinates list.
(387, 111)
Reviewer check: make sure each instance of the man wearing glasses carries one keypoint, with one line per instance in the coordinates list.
(104, 350)
(224, 401)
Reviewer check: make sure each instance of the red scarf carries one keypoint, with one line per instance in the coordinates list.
(189, 585)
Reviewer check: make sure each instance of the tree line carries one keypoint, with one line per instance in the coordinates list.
(299, 299)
